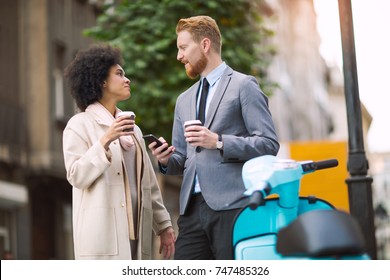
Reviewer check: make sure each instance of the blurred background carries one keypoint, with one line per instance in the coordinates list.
(293, 48)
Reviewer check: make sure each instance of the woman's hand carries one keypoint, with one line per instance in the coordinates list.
(122, 126)
(167, 242)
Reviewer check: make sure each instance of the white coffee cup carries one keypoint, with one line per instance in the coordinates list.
(129, 114)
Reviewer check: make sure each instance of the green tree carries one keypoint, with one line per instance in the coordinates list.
(145, 32)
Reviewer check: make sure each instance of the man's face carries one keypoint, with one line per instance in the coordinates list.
(190, 54)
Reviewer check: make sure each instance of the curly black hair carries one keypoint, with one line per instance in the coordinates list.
(88, 71)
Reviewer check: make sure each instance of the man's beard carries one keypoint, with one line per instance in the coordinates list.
(193, 71)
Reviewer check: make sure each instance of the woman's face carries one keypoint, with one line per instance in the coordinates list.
(116, 86)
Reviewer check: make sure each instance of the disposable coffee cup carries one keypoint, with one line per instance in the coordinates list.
(129, 114)
(192, 122)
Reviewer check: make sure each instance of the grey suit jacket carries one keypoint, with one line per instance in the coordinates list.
(239, 112)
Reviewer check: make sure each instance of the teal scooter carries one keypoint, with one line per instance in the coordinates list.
(289, 226)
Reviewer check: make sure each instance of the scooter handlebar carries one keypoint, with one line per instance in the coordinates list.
(326, 164)
(255, 200)
(318, 165)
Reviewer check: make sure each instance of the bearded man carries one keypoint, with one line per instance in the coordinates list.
(236, 126)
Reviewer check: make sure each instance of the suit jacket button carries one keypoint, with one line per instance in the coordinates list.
(198, 149)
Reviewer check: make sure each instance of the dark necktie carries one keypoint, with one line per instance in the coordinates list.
(202, 103)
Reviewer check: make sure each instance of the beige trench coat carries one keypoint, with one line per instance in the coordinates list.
(100, 226)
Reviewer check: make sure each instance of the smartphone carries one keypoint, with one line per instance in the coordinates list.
(150, 138)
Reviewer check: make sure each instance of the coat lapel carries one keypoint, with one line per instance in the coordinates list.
(139, 171)
(100, 113)
(219, 93)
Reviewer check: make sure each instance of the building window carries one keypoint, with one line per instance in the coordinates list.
(58, 76)
(6, 250)
(58, 94)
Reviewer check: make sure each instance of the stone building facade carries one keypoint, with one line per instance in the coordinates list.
(38, 38)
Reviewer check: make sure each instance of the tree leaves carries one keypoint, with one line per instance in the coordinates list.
(145, 32)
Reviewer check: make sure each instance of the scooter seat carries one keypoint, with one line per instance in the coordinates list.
(321, 233)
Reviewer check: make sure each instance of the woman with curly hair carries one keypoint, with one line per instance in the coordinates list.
(117, 203)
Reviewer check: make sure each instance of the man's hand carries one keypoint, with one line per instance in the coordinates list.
(197, 135)
(161, 156)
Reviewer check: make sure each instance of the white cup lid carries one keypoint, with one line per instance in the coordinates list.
(193, 122)
(126, 113)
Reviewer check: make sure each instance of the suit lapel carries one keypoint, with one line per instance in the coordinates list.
(219, 93)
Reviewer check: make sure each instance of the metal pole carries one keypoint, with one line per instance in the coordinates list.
(359, 184)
